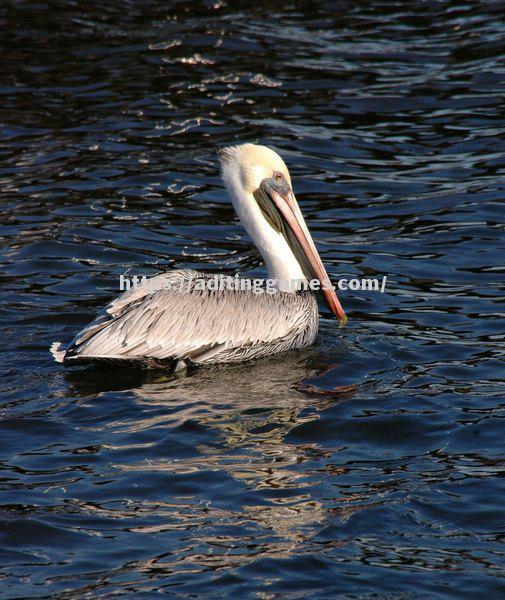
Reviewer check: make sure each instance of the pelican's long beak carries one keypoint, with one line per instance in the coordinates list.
(286, 204)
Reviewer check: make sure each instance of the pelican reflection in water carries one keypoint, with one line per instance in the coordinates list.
(171, 320)
(249, 416)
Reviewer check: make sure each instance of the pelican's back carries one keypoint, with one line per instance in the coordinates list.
(171, 318)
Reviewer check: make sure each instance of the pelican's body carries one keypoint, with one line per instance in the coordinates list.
(174, 318)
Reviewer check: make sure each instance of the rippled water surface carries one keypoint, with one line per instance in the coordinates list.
(366, 466)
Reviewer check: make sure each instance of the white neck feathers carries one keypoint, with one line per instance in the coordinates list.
(279, 259)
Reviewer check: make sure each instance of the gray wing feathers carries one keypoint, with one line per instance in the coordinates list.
(169, 318)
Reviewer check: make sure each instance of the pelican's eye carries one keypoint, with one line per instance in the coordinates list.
(278, 176)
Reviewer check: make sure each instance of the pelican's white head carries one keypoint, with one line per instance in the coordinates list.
(259, 185)
(251, 163)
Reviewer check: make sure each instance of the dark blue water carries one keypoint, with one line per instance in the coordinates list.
(367, 466)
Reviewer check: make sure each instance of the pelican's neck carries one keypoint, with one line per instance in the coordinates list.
(279, 259)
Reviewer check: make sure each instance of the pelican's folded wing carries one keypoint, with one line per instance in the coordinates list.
(172, 317)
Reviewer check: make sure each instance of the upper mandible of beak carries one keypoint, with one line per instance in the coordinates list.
(288, 207)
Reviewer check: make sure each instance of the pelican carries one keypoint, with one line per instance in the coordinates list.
(173, 319)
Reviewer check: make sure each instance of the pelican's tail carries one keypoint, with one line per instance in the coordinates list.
(59, 355)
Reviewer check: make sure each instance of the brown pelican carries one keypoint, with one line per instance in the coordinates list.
(176, 319)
